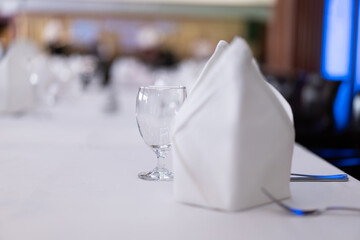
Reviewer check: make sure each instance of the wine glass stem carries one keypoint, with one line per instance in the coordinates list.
(160, 162)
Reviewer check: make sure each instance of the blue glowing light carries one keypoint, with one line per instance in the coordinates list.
(337, 55)
(347, 162)
(336, 153)
(297, 211)
(357, 63)
(342, 106)
(337, 176)
(337, 39)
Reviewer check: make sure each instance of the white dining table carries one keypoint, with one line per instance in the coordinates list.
(70, 172)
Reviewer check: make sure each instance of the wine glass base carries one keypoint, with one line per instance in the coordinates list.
(158, 174)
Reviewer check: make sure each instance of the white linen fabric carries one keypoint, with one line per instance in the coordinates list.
(17, 94)
(233, 135)
(74, 176)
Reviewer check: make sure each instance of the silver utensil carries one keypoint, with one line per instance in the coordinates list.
(307, 212)
(297, 177)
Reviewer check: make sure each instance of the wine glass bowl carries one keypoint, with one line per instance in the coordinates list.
(156, 107)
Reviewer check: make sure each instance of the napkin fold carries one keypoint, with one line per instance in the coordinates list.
(17, 94)
(233, 135)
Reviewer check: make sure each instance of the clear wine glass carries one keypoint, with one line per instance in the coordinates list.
(156, 107)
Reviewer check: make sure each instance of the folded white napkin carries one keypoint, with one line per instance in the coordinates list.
(17, 94)
(233, 135)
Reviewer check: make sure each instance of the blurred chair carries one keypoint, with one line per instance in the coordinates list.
(313, 105)
(311, 99)
(356, 112)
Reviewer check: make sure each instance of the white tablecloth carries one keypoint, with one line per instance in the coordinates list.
(72, 174)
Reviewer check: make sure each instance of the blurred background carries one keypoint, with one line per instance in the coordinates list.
(306, 49)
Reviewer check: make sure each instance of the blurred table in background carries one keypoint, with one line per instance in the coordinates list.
(71, 173)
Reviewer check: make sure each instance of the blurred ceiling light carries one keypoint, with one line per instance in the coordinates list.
(148, 37)
(251, 9)
(52, 31)
(191, 2)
